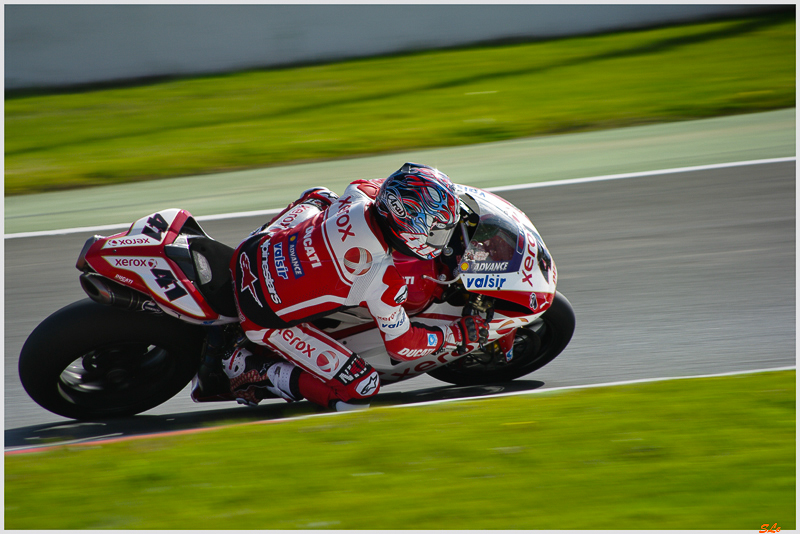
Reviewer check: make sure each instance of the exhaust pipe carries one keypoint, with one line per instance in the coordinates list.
(108, 293)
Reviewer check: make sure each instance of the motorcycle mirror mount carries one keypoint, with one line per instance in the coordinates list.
(442, 282)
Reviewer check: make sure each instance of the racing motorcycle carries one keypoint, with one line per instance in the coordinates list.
(161, 296)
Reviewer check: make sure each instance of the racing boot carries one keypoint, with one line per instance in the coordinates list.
(254, 377)
(322, 394)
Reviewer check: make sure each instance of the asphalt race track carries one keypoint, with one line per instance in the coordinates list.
(676, 275)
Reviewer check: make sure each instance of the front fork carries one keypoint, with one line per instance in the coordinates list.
(484, 306)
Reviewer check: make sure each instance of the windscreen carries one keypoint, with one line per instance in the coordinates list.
(496, 246)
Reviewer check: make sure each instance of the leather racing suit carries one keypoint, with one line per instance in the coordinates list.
(321, 254)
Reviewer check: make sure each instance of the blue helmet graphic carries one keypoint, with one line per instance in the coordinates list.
(420, 209)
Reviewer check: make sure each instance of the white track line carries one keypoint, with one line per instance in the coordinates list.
(600, 385)
(641, 174)
(100, 440)
(63, 231)
(493, 189)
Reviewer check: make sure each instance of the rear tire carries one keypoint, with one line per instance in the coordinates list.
(535, 346)
(90, 361)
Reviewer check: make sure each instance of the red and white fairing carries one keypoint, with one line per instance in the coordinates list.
(137, 259)
(521, 272)
(530, 276)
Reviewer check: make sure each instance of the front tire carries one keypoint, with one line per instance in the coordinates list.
(89, 361)
(535, 346)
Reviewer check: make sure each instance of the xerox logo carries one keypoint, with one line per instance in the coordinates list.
(537, 254)
(300, 346)
(128, 241)
(345, 227)
(135, 262)
(289, 218)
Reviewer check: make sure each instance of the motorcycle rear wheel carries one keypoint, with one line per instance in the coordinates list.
(89, 361)
(535, 346)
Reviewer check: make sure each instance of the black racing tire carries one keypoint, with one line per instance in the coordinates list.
(535, 346)
(91, 362)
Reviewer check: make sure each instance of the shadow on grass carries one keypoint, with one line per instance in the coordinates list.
(87, 431)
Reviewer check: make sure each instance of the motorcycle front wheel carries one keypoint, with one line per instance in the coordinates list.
(535, 345)
(89, 361)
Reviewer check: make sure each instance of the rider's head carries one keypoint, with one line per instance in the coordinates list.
(418, 208)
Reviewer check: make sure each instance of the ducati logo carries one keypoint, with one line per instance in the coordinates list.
(248, 278)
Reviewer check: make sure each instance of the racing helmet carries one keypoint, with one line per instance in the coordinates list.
(418, 210)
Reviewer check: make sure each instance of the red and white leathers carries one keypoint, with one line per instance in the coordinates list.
(320, 255)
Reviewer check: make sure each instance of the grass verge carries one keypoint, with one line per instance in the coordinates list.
(711, 453)
(399, 103)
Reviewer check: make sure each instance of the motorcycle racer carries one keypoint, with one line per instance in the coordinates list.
(325, 253)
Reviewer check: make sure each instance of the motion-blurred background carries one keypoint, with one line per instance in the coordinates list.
(99, 94)
(115, 111)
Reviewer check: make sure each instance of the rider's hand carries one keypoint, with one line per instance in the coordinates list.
(322, 197)
(469, 329)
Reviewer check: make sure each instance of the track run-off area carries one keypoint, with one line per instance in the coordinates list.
(675, 243)
(672, 273)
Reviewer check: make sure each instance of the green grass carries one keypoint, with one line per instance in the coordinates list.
(716, 453)
(369, 106)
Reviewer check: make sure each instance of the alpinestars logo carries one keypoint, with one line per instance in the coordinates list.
(248, 278)
(402, 295)
(368, 386)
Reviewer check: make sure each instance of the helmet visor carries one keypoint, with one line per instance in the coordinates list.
(440, 235)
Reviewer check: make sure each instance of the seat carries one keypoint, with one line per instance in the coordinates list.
(218, 292)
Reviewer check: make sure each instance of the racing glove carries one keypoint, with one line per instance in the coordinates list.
(469, 329)
(321, 197)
